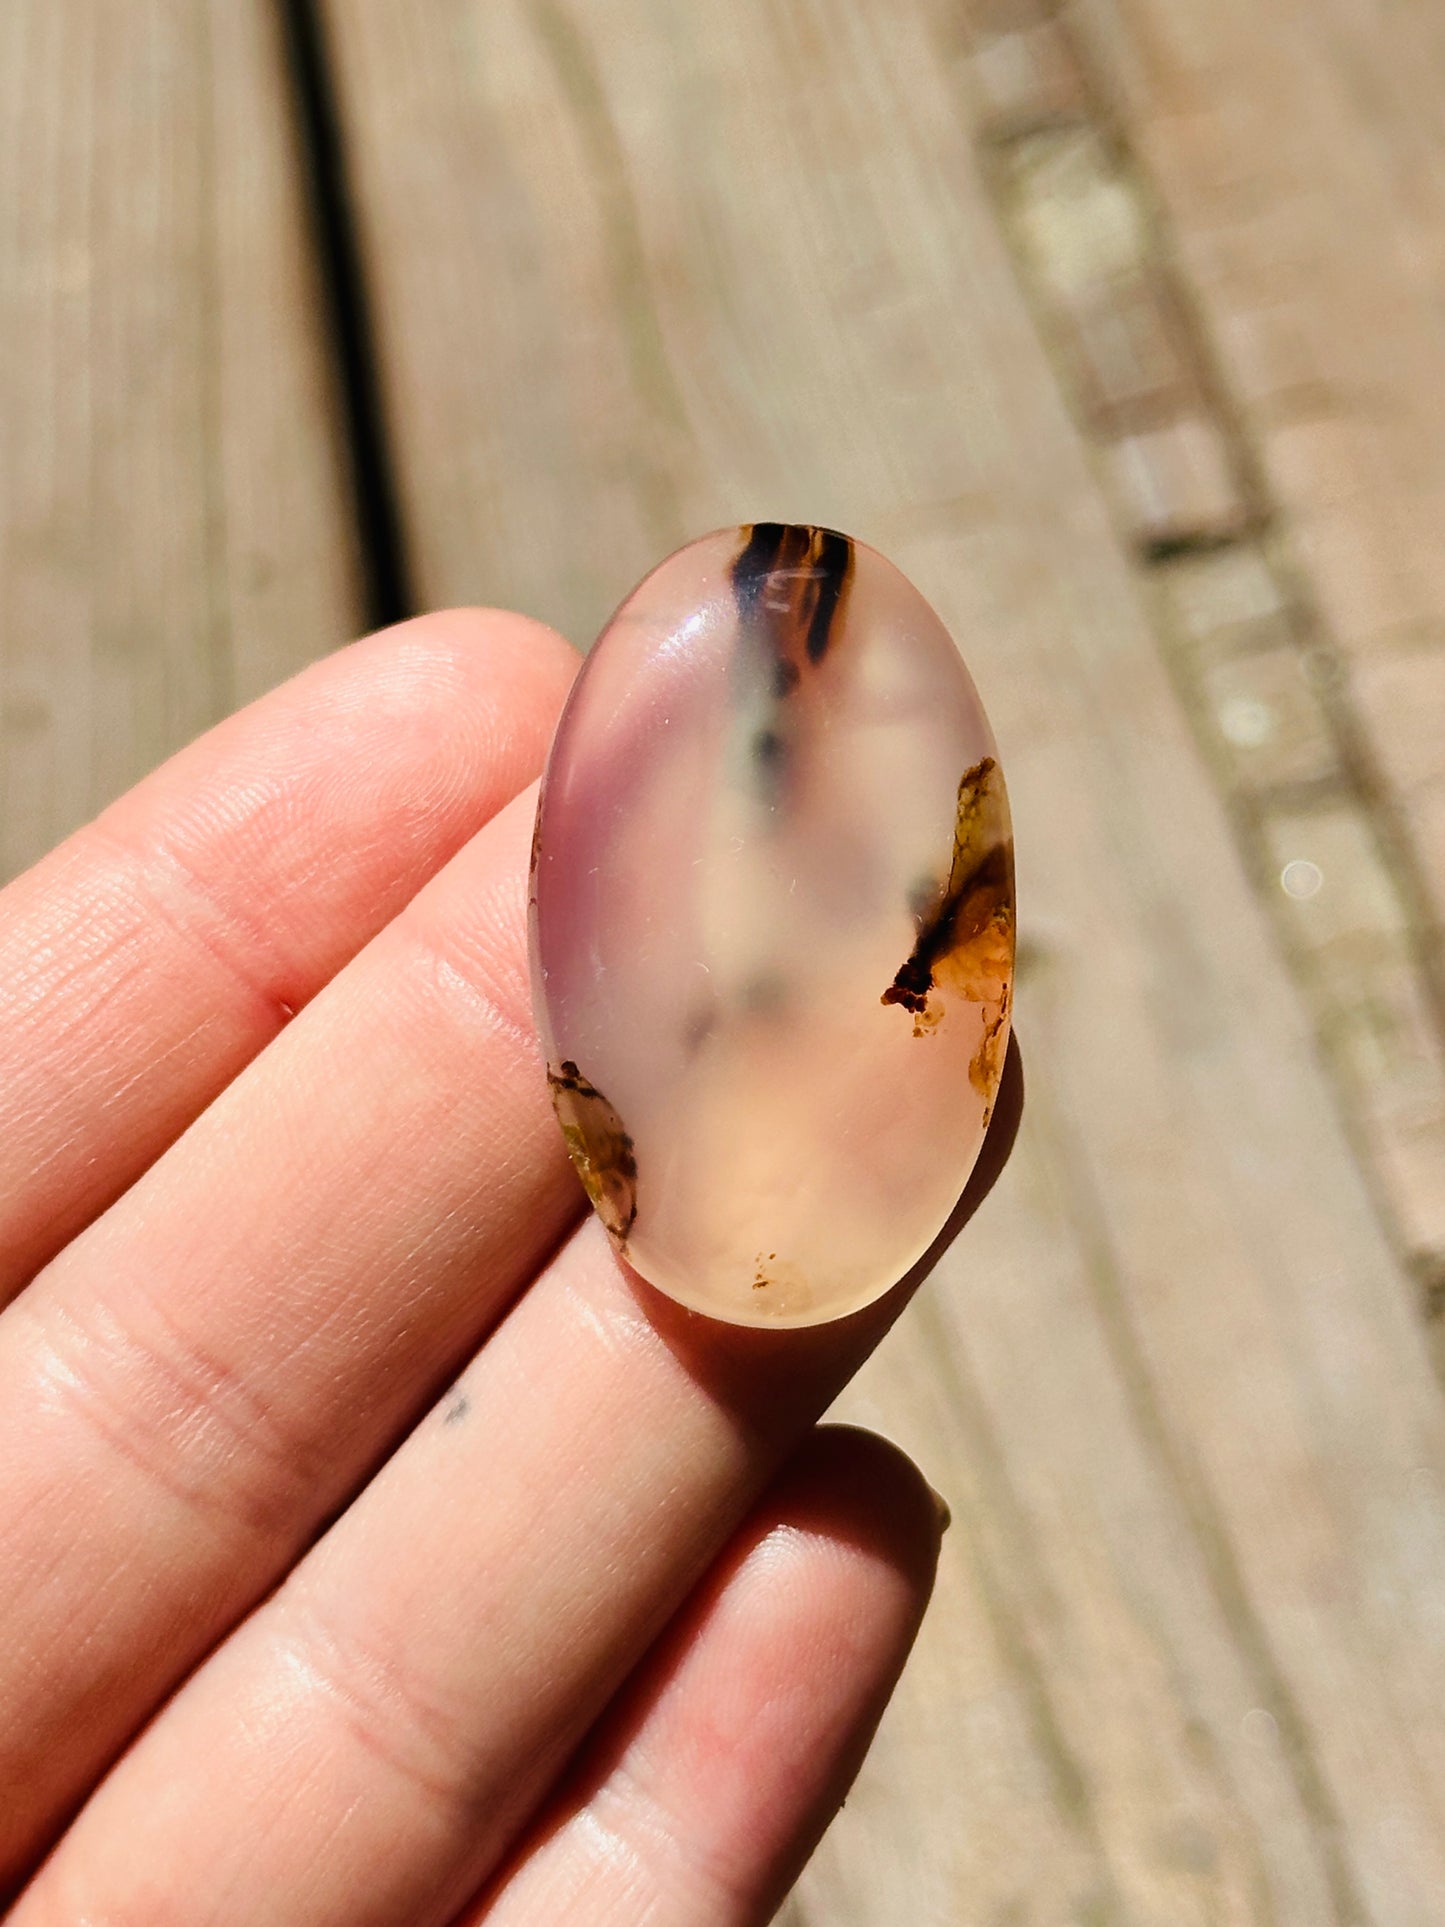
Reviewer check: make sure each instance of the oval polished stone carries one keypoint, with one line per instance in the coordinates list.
(773, 925)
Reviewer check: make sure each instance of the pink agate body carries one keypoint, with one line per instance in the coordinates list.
(772, 925)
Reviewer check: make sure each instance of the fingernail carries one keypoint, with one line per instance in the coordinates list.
(940, 1506)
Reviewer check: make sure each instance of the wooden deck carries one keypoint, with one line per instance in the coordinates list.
(1121, 327)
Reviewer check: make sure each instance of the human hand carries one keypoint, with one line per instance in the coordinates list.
(500, 1585)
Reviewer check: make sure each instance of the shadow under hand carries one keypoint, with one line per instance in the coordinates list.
(773, 1381)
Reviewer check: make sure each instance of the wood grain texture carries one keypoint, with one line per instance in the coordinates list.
(174, 535)
(1273, 692)
(1295, 151)
(641, 270)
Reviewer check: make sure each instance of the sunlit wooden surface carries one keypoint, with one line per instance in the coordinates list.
(1121, 327)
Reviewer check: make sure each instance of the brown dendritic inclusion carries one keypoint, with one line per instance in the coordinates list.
(966, 941)
(598, 1146)
(753, 809)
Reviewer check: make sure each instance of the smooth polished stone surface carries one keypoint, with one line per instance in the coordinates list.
(773, 925)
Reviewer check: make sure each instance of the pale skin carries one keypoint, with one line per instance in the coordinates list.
(374, 1547)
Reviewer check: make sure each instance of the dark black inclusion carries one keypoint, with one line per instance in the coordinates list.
(771, 546)
(834, 565)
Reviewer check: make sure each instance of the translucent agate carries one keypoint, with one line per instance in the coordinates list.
(773, 925)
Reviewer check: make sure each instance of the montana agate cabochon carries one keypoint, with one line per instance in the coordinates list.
(773, 925)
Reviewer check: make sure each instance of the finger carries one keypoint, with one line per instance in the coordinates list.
(712, 1780)
(149, 957)
(209, 1371)
(374, 1737)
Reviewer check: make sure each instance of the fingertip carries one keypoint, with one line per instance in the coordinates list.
(503, 633)
(523, 667)
(864, 1493)
(717, 1772)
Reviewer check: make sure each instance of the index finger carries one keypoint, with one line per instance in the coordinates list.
(150, 956)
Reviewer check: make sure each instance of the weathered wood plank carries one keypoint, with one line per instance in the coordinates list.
(1255, 657)
(174, 530)
(642, 270)
(1294, 153)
